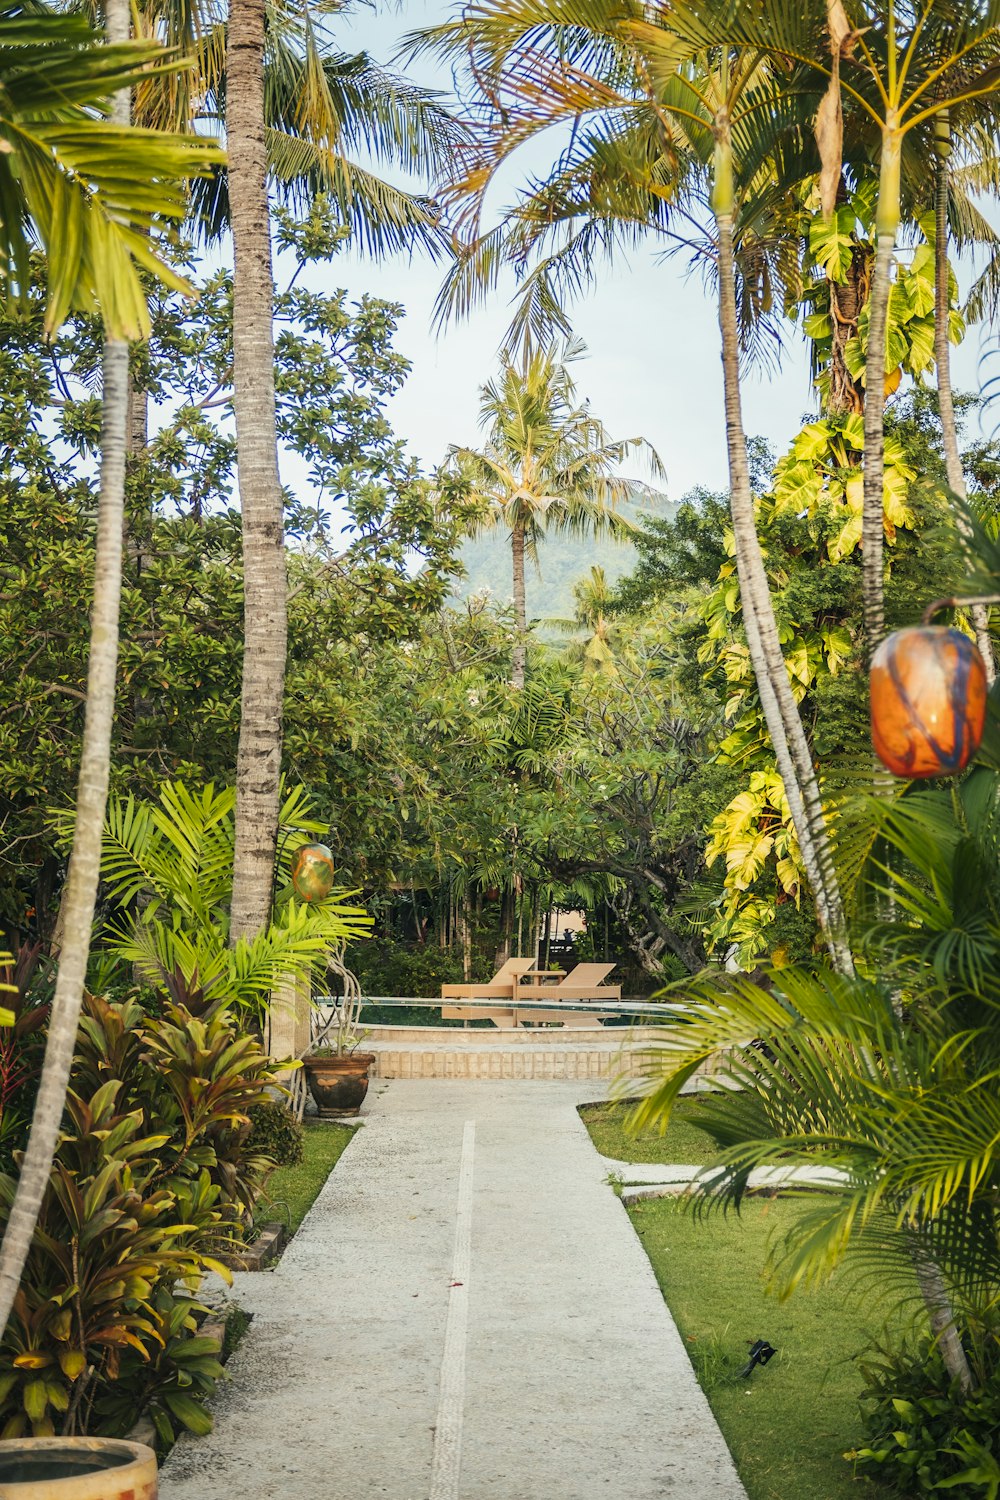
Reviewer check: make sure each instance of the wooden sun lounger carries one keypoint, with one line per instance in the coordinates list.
(502, 984)
(581, 985)
(501, 988)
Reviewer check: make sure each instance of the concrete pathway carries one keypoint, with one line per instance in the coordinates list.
(466, 1314)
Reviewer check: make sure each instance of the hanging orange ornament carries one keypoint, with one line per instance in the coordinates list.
(312, 871)
(928, 701)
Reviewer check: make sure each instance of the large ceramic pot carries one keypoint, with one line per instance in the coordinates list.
(338, 1084)
(82, 1468)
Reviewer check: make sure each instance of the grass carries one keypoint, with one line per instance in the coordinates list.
(292, 1191)
(788, 1424)
(682, 1142)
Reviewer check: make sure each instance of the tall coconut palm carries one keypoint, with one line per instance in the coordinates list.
(54, 83)
(265, 617)
(548, 466)
(321, 107)
(901, 66)
(673, 120)
(942, 352)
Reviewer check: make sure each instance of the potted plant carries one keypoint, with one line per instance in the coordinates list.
(336, 1072)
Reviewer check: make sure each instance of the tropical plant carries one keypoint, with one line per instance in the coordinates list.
(89, 191)
(885, 1078)
(548, 465)
(275, 1133)
(91, 255)
(323, 109)
(923, 1433)
(154, 1175)
(94, 1264)
(167, 867)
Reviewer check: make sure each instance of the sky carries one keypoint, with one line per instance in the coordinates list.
(653, 367)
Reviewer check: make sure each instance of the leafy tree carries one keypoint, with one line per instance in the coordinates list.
(178, 698)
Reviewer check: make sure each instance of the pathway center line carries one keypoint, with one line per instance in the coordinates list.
(447, 1458)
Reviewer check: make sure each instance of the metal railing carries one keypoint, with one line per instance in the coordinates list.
(503, 1002)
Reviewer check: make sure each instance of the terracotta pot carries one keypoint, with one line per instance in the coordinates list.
(81, 1468)
(338, 1084)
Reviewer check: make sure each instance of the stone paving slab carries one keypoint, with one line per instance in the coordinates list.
(553, 1371)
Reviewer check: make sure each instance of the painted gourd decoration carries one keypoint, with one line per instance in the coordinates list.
(928, 699)
(312, 871)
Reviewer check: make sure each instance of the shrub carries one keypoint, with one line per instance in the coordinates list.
(391, 967)
(924, 1435)
(153, 1174)
(275, 1133)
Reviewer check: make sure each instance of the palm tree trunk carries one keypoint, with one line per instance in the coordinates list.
(942, 357)
(847, 298)
(940, 1315)
(872, 532)
(791, 748)
(258, 765)
(520, 652)
(77, 909)
(465, 933)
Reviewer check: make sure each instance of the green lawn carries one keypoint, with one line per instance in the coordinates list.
(291, 1191)
(683, 1142)
(789, 1423)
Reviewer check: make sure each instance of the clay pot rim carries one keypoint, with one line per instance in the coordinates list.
(139, 1470)
(344, 1060)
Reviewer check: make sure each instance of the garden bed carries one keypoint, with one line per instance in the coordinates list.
(292, 1191)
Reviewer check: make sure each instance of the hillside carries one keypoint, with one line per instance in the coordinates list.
(562, 560)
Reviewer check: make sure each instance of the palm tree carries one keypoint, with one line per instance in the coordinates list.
(667, 119)
(548, 465)
(265, 629)
(55, 81)
(942, 353)
(296, 111)
(901, 67)
(321, 105)
(595, 649)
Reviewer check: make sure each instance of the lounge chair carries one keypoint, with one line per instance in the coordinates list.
(581, 983)
(502, 984)
(500, 988)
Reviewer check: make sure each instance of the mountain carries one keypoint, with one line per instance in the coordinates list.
(562, 561)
